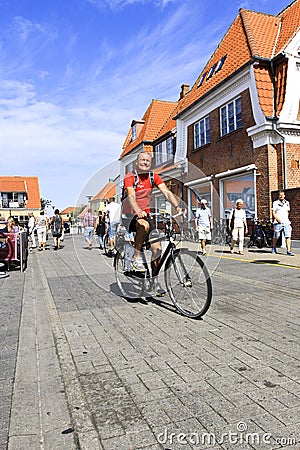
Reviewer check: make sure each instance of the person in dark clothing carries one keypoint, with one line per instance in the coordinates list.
(100, 230)
(57, 228)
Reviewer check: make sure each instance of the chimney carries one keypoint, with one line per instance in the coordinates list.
(184, 90)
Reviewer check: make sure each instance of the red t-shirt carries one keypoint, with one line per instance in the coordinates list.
(142, 191)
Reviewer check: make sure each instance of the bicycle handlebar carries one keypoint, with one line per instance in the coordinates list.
(166, 216)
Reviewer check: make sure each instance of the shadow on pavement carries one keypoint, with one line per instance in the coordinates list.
(266, 261)
(146, 300)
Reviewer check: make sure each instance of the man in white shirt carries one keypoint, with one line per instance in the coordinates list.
(31, 228)
(113, 212)
(280, 210)
(203, 223)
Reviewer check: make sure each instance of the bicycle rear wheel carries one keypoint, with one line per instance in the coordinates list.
(131, 286)
(188, 283)
(106, 245)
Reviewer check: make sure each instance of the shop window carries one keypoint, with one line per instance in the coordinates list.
(239, 187)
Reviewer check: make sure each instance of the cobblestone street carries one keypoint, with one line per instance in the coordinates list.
(82, 368)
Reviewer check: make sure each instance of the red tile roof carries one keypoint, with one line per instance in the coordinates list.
(68, 210)
(30, 185)
(290, 22)
(154, 119)
(252, 34)
(109, 190)
(84, 211)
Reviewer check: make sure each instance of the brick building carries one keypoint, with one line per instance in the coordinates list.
(236, 132)
(18, 196)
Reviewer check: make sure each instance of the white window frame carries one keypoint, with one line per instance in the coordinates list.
(133, 138)
(202, 137)
(231, 116)
(170, 149)
(159, 159)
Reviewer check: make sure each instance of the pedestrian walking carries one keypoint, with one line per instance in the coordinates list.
(89, 223)
(42, 229)
(57, 228)
(282, 224)
(100, 230)
(238, 226)
(31, 229)
(113, 212)
(204, 224)
(79, 226)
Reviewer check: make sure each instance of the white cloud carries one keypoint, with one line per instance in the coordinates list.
(25, 27)
(68, 131)
(121, 4)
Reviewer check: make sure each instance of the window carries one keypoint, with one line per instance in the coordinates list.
(158, 154)
(202, 79)
(210, 73)
(220, 63)
(196, 193)
(231, 116)
(129, 167)
(241, 186)
(164, 152)
(13, 199)
(133, 132)
(170, 149)
(202, 132)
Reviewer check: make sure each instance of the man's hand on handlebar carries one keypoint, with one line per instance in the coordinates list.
(141, 214)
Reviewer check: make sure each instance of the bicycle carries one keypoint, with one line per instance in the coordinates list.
(186, 277)
(220, 233)
(106, 244)
(262, 234)
(187, 230)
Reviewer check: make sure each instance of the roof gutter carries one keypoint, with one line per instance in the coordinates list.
(274, 124)
(274, 119)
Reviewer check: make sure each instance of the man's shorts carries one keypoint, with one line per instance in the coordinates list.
(89, 233)
(112, 230)
(204, 233)
(130, 223)
(285, 227)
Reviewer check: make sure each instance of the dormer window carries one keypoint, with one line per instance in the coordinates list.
(220, 63)
(134, 132)
(210, 73)
(202, 79)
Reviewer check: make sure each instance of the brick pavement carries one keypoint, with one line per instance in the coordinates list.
(11, 289)
(129, 374)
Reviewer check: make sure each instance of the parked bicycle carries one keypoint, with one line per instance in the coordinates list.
(186, 277)
(188, 231)
(262, 234)
(220, 233)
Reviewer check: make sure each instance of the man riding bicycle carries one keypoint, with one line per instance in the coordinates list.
(136, 209)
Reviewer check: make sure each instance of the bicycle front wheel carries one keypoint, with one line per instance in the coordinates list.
(130, 285)
(188, 283)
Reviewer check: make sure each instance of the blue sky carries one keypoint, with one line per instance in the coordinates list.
(74, 73)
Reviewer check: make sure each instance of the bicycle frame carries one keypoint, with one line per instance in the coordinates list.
(169, 249)
(186, 278)
(165, 254)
